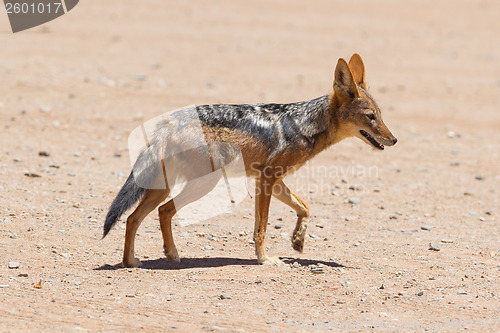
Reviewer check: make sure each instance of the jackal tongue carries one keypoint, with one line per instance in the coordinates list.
(372, 140)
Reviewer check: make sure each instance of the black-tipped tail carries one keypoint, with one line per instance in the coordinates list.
(129, 194)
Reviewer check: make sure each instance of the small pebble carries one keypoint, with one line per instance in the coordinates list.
(43, 153)
(224, 296)
(106, 81)
(355, 201)
(162, 83)
(446, 240)
(277, 226)
(4, 286)
(425, 227)
(32, 175)
(314, 236)
(45, 109)
(479, 177)
(345, 284)
(317, 271)
(13, 265)
(139, 77)
(434, 247)
(213, 328)
(295, 264)
(461, 292)
(421, 293)
(468, 276)
(335, 192)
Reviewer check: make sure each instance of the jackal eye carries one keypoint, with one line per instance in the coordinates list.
(371, 116)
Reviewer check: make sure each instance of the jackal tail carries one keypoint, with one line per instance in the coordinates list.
(129, 194)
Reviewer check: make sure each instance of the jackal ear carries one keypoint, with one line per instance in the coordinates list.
(344, 83)
(358, 70)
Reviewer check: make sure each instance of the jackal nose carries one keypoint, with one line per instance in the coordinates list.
(394, 140)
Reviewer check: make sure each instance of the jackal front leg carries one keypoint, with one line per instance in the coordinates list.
(285, 195)
(263, 192)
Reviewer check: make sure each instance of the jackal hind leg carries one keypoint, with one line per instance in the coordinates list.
(149, 201)
(194, 190)
(285, 195)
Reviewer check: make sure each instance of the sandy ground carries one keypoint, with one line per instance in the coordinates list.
(76, 87)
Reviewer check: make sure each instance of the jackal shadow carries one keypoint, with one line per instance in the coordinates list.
(186, 263)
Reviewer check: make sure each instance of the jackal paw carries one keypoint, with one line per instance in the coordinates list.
(272, 261)
(298, 243)
(131, 263)
(298, 238)
(172, 256)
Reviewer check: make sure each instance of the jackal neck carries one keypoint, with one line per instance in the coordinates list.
(299, 125)
(311, 117)
(327, 132)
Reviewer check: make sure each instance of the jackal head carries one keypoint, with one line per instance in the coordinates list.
(357, 112)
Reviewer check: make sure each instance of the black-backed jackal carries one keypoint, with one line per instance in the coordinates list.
(273, 139)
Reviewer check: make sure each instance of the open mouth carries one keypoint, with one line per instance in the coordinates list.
(372, 140)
